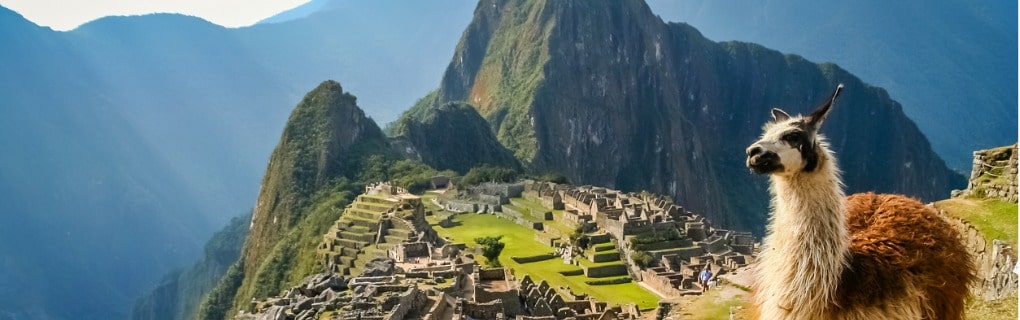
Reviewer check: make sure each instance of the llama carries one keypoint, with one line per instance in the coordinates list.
(826, 256)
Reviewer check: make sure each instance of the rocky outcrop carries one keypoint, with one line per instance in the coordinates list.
(607, 94)
(993, 175)
(326, 142)
(316, 294)
(379, 267)
(450, 136)
(995, 262)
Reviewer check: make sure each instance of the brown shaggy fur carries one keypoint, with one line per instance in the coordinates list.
(828, 256)
(897, 243)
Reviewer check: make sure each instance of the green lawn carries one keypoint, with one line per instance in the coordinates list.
(996, 219)
(536, 205)
(520, 242)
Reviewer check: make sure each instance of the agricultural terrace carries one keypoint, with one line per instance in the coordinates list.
(521, 242)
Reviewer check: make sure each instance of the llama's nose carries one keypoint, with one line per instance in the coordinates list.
(753, 151)
(761, 161)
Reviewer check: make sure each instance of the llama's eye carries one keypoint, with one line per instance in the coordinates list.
(792, 137)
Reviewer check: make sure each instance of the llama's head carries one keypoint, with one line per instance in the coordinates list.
(790, 144)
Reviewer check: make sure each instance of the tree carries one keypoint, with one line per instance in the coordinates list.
(642, 259)
(489, 173)
(491, 248)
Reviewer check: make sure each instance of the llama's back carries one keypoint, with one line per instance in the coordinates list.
(901, 249)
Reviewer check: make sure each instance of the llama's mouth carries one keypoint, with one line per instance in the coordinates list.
(763, 166)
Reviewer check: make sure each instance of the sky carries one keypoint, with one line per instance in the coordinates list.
(65, 15)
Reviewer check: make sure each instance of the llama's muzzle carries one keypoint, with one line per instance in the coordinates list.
(761, 161)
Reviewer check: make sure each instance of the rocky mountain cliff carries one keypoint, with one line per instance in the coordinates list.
(324, 141)
(451, 136)
(606, 93)
(949, 56)
(328, 151)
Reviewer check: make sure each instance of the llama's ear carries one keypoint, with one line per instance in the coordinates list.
(818, 116)
(779, 115)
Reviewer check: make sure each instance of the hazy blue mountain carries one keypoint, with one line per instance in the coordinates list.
(180, 292)
(130, 140)
(952, 64)
(390, 52)
(298, 12)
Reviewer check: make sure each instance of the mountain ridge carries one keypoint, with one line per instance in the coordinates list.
(953, 56)
(613, 96)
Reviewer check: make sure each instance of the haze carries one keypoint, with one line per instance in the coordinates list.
(66, 15)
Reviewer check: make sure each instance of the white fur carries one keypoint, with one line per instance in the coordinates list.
(807, 243)
(805, 249)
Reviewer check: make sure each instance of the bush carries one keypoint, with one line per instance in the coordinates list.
(642, 259)
(491, 248)
(488, 173)
(673, 234)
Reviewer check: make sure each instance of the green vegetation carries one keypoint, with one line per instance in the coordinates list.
(408, 174)
(602, 282)
(491, 248)
(511, 72)
(180, 293)
(488, 173)
(643, 243)
(294, 257)
(996, 219)
(217, 304)
(328, 152)
(642, 259)
(451, 136)
(520, 242)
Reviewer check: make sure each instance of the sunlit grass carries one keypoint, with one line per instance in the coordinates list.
(996, 219)
(520, 242)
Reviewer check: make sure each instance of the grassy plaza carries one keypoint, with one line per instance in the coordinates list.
(520, 242)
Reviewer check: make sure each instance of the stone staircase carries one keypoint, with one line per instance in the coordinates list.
(367, 229)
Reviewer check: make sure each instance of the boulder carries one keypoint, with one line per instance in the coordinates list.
(303, 305)
(379, 267)
(274, 313)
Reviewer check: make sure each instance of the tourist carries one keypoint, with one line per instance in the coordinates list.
(705, 276)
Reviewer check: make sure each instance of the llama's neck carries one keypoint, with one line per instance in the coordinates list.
(806, 249)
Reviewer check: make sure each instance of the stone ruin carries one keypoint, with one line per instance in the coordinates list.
(486, 197)
(497, 296)
(625, 216)
(382, 260)
(385, 221)
(993, 174)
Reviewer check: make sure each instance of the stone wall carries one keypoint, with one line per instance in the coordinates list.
(994, 262)
(536, 258)
(459, 206)
(605, 271)
(413, 299)
(442, 304)
(663, 281)
(994, 174)
(491, 274)
(479, 310)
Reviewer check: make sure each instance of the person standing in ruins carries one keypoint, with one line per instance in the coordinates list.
(704, 277)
